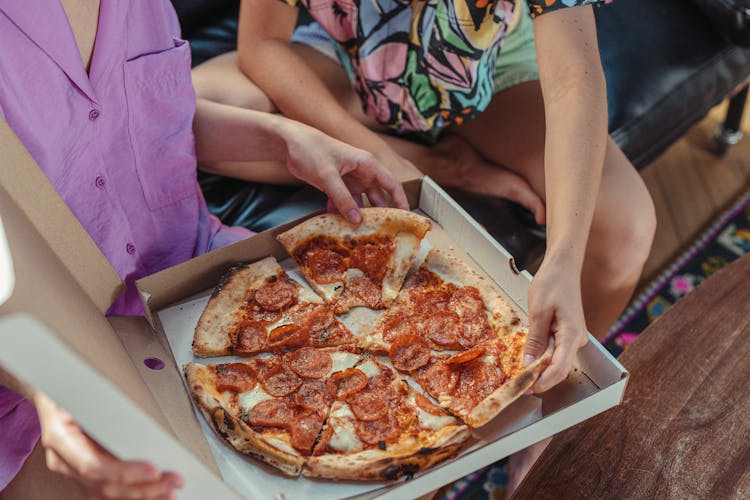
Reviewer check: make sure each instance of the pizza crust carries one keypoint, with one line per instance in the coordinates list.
(233, 430)
(400, 459)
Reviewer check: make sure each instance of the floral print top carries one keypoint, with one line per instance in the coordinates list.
(420, 65)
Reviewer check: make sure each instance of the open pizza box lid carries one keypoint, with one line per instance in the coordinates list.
(53, 323)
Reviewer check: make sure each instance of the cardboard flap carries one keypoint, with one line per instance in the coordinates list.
(26, 184)
(101, 407)
(48, 291)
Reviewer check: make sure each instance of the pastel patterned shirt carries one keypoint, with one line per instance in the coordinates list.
(420, 65)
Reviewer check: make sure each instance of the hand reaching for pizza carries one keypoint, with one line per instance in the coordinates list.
(341, 171)
(71, 452)
(556, 309)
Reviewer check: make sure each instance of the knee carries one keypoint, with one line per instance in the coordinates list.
(620, 241)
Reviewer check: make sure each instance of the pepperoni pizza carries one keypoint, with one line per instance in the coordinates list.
(318, 400)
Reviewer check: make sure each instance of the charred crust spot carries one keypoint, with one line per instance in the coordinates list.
(409, 470)
(393, 471)
(515, 321)
(525, 378)
(272, 279)
(382, 445)
(228, 276)
(426, 451)
(228, 422)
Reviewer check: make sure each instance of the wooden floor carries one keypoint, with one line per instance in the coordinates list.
(690, 187)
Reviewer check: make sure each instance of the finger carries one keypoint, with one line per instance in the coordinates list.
(330, 207)
(562, 361)
(540, 322)
(375, 195)
(57, 464)
(394, 188)
(340, 196)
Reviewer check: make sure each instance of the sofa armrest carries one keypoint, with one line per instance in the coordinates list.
(731, 18)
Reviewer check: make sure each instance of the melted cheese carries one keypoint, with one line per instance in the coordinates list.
(369, 368)
(330, 290)
(281, 445)
(251, 398)
(345, 439)
(433, 422)
(342, 361)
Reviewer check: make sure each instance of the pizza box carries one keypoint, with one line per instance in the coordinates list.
(122, 380)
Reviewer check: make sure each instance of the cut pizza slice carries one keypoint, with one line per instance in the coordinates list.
(272, 408)
(449, 306)
(258, 308)
(379, 428)
(361, 265)
(446, 306)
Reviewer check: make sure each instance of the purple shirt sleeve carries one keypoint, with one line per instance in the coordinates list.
(17, 419)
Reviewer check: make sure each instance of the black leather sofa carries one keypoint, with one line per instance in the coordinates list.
(667, 63)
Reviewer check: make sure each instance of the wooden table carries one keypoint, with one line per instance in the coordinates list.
(683, 429)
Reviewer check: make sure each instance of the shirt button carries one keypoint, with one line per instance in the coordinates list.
(130, 248)
(100, 182)
(93, 114)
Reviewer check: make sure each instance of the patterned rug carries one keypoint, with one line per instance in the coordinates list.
(727, 239)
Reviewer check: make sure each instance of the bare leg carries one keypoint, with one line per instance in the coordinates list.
(511, 133)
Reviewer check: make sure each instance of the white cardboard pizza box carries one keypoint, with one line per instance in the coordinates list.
(64, 285)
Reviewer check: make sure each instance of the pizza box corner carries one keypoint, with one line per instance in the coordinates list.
(133, 378)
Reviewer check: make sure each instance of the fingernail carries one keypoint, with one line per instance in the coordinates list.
(528, 359)
(354, 216)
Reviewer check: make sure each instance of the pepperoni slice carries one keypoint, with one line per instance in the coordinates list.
(428, 406)
(304, 430)
(336, 334)
(346, 383)
(372, 259)
(251, 338)
(478, 380)
(319, 318)
(372, 432)
(364, 288)
(236, 377)
(256, 313)
(465, 356)
(409, 352)
(271, 413)
(397, 325)
(276, 295)
(467, 302)
(310, 363)
(443, 328)
(475, 330)
(313, 395)
(437, 377)
(280, 381)
(368, 405)
(428, 300)
(287, 337)
(326, 266)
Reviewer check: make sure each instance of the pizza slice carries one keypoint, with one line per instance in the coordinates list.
(382, 428)
(272, 408)
(446, 306)
(361, 265)
(449, 306)
(258, 308)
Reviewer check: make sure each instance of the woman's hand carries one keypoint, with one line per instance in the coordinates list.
(341, 171)
(71, 452)
(555, 308)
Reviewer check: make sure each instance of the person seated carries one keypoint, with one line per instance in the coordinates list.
(505, 98)
(106, 107)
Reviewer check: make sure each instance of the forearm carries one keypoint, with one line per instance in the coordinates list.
(300, 94)
(575, 103)
(576, 138)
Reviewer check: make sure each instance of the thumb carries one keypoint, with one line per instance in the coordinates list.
(538, 338)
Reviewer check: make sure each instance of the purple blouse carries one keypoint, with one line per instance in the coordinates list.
(117, 144)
